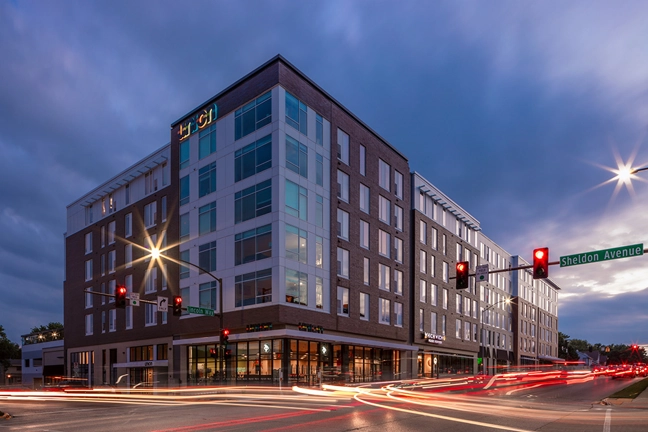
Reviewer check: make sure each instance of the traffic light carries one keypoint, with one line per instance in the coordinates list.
(224, 337)
(213, 353)
(120, 296)
(540, 263)
(462, 275)
(177, 305)
(228, 354)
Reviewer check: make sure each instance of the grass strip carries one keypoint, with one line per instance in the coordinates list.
(632, 391)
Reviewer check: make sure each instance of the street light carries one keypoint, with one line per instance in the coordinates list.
(507, 301)
(155, 254)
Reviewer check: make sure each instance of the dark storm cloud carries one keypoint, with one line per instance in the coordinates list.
(506, 107)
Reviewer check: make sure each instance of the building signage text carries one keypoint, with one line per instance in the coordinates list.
(258, 327)
(198, 122)
(311, 328)
(434, 338)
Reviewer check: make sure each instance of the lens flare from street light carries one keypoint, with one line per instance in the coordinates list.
(155, 253)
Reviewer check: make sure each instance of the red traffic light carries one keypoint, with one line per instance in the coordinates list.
(225, 332)
(540, 263)
(462, 275)
(120, 296)
(177, 305)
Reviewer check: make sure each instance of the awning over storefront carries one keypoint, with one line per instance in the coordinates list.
(502, 355)
(551, 359)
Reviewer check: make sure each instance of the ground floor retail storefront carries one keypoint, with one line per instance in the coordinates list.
(290, 361)
(437, 364)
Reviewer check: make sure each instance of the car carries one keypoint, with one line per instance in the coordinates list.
(67, 385)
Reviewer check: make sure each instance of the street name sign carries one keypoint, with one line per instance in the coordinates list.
(481, 272)
(200, 311)
(602, 255)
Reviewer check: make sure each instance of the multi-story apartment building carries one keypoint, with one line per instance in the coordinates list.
(495, 296)
(444, 319)
(535, 316)
(283, 213)
(293, 202)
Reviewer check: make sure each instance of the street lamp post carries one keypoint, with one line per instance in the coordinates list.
(507, 301)
(156, 254)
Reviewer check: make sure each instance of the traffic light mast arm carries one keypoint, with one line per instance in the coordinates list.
(220, 287)
(514, 268)
(113, 296)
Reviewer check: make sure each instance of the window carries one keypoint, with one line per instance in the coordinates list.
(421, 320)
(384, 243)
(364, 306)
(433, 265)
(458, 329)
(253, 288)
(112, 320)
(296, 244)
(343, 301)
(319, 169)
(207, 179)
(207, 256)
(128, 317)
(103, 290)
(383, 277)
(433, 294)
(319, 292)
(423, 261)
(363, 160)
(184, 269)
(319, 252)
(184, 294)
(88, 243)
(296, 287)
(398, 312)
(445, 298)
(165, 176)
(184, 154)
(253, 245)
(364, 198)
(89, 219)
(343, 224)
(207, 141)
(103, 236)
(343, 146)
(253, 116)
(207, 295)
(444, 244)
(88, 324)
(398, 249)
(150, 314)
(207, 218)
(128, 255)
(128, 225)
(150, 280)
(443, 325)
(384, 171)
(319, 211)
(184, 190)
(253, 158)
(433, 322)
(88, 270)
(343, 262)
(319, 130)
(150, 183)
(111, 232)
(184, 227)
(445, 272)
(423, 291)
(296, 200)
(343, 186)
(398, 217)
(88, 298)
(458, 303)
(384, 311)
(364, 234)
(434, 244)
(384, 206)
(398, 184)
(150, 215)
(253, 202)
(398, 282)
(296, 156)
(296, 113)
(365, 271)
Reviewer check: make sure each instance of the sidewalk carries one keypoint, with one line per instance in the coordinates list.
(640, 401)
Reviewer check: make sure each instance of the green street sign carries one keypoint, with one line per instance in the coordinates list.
(602, 255)
(200, 311)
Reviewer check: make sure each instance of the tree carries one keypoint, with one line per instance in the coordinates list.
(8, 350)
(49, 327)
(565, 348)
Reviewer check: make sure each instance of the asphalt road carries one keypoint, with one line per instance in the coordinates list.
(528, 406)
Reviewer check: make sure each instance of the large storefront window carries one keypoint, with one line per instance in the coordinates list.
(438, 365)
(203, 368)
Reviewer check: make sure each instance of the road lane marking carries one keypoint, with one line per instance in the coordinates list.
(508, 393)
(608, 420)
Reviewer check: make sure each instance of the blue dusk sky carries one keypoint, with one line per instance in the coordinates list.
(515, 110)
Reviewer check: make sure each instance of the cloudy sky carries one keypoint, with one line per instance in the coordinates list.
(512, 108)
